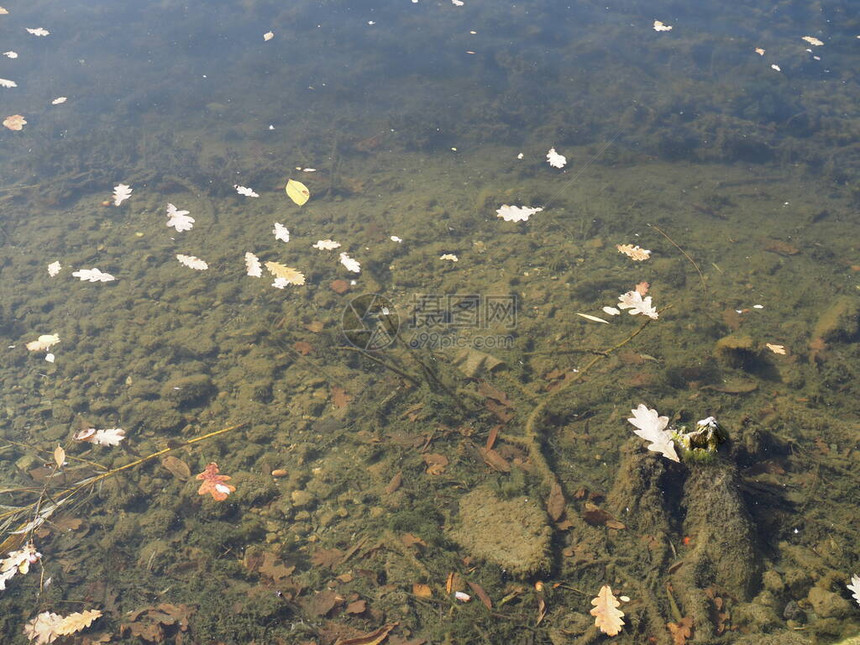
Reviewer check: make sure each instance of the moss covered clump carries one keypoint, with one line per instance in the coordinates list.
(512, 533)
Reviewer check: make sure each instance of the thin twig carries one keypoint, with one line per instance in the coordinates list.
(686, 255)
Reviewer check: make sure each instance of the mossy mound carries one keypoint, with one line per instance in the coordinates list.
(512, 533)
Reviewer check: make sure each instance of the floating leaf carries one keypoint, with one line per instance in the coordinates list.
(607, 616)
(297, 191)
(59, 456)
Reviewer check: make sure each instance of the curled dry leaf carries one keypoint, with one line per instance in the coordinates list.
(607, 616)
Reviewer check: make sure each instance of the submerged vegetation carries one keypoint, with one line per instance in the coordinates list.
(416, 433)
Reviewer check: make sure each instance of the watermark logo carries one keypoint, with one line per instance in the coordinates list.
(435, 321)
(370, 322)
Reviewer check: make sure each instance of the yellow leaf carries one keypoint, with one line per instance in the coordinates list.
(291, 275)
(606, 615)
(297, 191)
(59, 456)
(76, 622)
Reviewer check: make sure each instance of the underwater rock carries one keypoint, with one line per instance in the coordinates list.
(723, 551)
(840, 321)
(511, 533)
(189, 391)
(736, 350)
(637, 496)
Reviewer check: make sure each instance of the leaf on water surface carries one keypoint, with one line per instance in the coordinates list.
(214, 483)
(192, 262)
(607, 616)
(297, 191)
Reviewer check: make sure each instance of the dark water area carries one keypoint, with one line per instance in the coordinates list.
(358, 364)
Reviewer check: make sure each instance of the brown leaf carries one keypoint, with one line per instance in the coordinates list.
(607, 616)
(479, 591)
(494, 460)
(339, 286)
(303, 347)
(595, 515)
(340, 398)
(273, 568)
(681, 631)
(422, 590)
(492, 436)
(412, 540)
(371, 638)
(555, 503)
(59, 456)
(327, 557)
(356, 607)
(322, 603)
(435, 463)
(315, 326)
(177, 467)
(394, 484)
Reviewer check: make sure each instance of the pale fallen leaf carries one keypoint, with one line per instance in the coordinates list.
(10, 53)
(252, 265)
(37, 31)
(281, 232)
(516, 213)
(246, 192)
(42, 629)
(634, 301)
(59, 456)
(450, 257)
(59, 100)
(326, 245)
(43, 343)
(776, 349)
(268, 36)
(5, 82)
(607, 616)
(555, 160)
(78, 621)
(812, 40)
(653, 428)
(178, 219)
(635, 253)
(192, 262)
(285, 275)
(15, 122)
(93, 275)
(612, 311)
(659, 26)
(854, 588)
(776, 67)
(106, 437)
(121, 192)
(592, 318)
(350, 263)
(759, 51)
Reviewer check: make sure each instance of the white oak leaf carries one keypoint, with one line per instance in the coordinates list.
(281, 232)
(252, 265)
(180, 220)
(607, 616)
(192, 262)
(652, 428)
